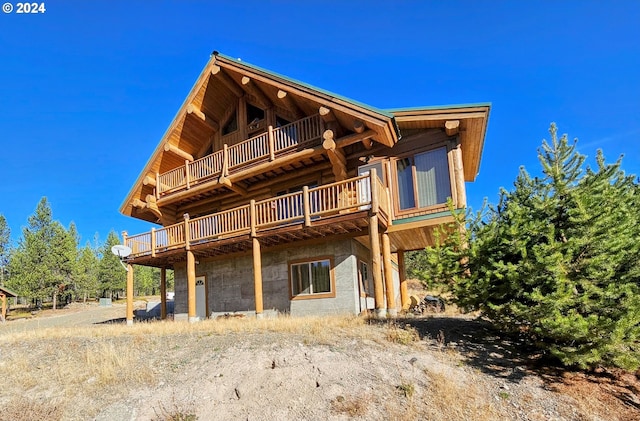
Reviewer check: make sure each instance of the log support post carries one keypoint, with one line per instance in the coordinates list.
(257, 277)
(163, 293)
(3, 298)
(191, 287)
(392, 311)
(404, 293)
(374, 245)
(458, 171)
(129, 294)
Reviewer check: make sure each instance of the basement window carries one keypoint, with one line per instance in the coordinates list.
(312, 279)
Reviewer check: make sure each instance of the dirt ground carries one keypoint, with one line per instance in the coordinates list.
(432, 368)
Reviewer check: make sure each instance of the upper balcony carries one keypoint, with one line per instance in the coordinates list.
(265, 147)
(338, 208)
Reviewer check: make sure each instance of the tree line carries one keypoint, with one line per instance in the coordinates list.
(556, 261)
(48, 263)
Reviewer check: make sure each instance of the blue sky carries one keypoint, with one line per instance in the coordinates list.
(88, 88)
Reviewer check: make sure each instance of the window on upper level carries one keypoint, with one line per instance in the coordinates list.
(422, 180)
(255, 118)
(231, 125)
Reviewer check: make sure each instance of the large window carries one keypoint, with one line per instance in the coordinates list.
(423, 179)
(311, 279)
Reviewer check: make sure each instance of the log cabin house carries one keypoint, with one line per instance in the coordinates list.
(276, 196)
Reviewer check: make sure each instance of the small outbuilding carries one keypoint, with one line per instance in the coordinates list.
(4, 294)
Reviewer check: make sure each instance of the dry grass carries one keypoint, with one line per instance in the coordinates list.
(26, 409)
(457, 399)
(352, 405)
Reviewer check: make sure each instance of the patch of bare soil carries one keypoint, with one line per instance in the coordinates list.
(436, 368)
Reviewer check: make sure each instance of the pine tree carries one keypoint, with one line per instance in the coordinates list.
(556, 260)
(5, 235)
(111, 275)
(86, 276)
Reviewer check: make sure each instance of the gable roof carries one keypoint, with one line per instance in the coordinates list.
(214, 97)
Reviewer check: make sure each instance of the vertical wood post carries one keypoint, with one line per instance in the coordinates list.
(306, 205)
(225, 161)
(404, 294)
(252, 217)
(3, 298)
(187, 232)
(374, 191)
(187, 176)
(191, 286)
(272, 145)
(153, 242)
(392, 311)
(158, 185)
(129, 294)
(163, 293)
(374, 245)
(461, 197)
(257, 277)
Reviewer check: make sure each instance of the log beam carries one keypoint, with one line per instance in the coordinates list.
(250, 87)
(152, 205)
(208, 121)
(137, 203)
(326, 114)
(451, 127)
(336, 156)
(226, 80)
(358, 126)
(149, 181)
(235, 187)
(168, 147)
(290, 104)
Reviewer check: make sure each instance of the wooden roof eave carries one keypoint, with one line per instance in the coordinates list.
(378, 118)
(135, 193)
(453, 112)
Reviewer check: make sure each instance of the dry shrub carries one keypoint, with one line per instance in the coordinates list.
(353, 406)
(109, 364)
(402, 335)
(25, 409)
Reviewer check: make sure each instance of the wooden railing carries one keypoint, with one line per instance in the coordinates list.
(302, 207)
(262, 148)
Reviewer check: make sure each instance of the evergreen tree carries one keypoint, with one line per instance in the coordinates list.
(556, 260)
(39, 265)
(86, 276)
(111, 275)
(5, 234)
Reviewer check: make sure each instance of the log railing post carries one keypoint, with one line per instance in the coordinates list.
(374, 191)
(158, 186)
(153, 242)
(392, 311)
(187, 232)
(225, 160)
(271, 144)
(306, 206)
(253, 217)
(187, 177)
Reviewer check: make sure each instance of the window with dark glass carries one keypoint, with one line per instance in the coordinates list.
(309, 278)
(423, 179)
(232, 124)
